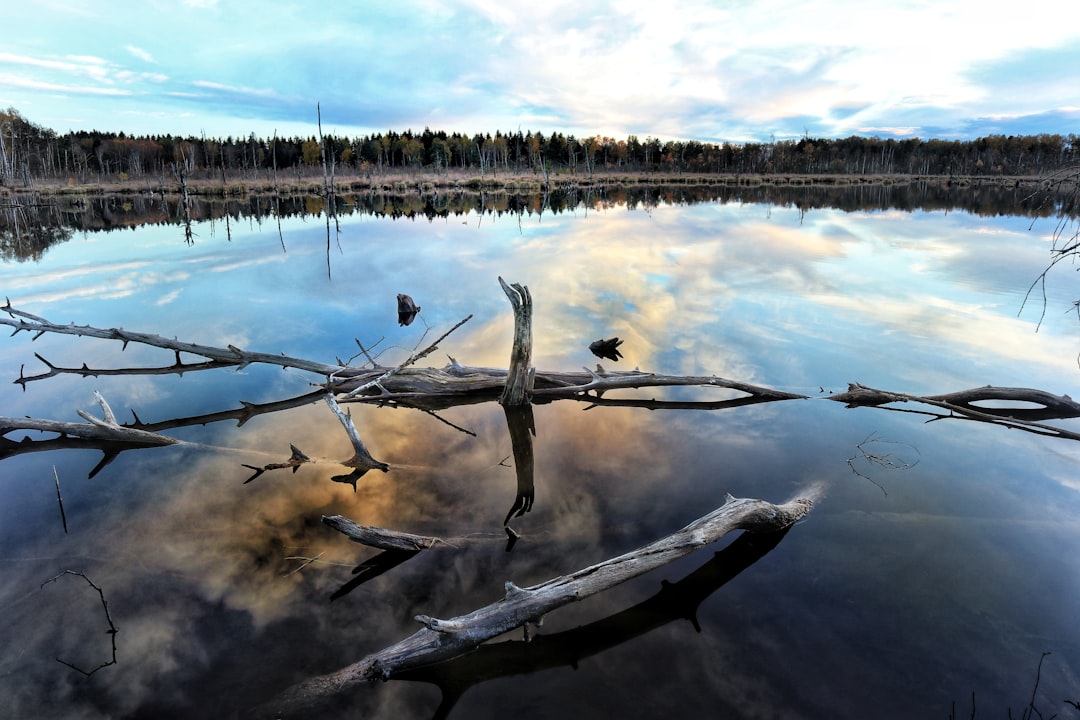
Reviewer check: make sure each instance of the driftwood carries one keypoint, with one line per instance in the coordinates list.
(378, 537)
(520, 375)
(229, 356)
(441, 640)
(675, 601)
(430, 389)
(398, 384)
(961, 405)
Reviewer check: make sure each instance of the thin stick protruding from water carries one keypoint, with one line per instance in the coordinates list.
(60, 499)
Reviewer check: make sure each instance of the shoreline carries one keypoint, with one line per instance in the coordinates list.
(407, 182)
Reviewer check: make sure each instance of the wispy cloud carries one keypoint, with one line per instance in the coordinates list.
(22, 82)
(140, 53)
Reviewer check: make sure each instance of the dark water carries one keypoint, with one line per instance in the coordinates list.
(943, 570)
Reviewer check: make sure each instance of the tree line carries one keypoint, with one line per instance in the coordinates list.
(29, 152)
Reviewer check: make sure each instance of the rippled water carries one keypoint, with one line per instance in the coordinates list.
(942, 560)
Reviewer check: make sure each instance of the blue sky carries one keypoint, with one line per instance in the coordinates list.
(685, 69)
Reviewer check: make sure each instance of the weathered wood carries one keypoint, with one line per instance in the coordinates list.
(961, 404)
(1051, 406)
(675, 601)
(519, 376)
(226, 357)
(296, 459)
(361, 459)
(376, 383)
(385, 384)
(378, 537)
(106, 429)
(441, 640)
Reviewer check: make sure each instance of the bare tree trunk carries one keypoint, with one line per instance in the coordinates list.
(520, 375)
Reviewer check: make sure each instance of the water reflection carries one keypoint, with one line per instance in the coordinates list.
(28, 228)
(954, 581)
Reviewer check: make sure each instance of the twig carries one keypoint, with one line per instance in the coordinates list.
(60, 500)
(408, 361)
(883, 460)
(307, 561)
(1031, 709)
(297, 459)
(108, 617)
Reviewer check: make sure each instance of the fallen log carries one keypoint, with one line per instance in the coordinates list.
(675, 601)
(961, 404)
(441, 640)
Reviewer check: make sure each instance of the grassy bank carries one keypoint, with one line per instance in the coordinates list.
(405, 182)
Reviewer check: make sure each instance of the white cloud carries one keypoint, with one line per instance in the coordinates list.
(140, 53)
(753, 70)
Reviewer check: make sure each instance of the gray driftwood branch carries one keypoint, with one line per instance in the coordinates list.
(440, 640)
(222, 357)
(105, 428)
(377, 537)
(962, 404)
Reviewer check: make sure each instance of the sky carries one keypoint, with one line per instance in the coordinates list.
(714, 71)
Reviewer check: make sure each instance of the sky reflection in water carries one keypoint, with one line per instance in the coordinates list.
(901, 593)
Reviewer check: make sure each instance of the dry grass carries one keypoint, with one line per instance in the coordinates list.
(427, 182)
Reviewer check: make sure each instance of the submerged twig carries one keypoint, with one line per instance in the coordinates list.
(884, 460)
(108, 617)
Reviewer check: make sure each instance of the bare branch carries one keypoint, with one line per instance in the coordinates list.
(361, 459)
(229, 356)
(961, 404)
(412, 359)
(441, 640)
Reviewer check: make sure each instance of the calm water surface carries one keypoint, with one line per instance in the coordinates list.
(944, 570)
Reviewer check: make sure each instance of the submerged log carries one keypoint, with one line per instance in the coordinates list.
(441, 640)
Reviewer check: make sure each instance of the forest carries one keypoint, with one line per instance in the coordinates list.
(30, 153)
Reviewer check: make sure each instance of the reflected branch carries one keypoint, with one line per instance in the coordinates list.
(373, 568)
(108, 617)
(675, 601)
(522, 426)
(441, 640)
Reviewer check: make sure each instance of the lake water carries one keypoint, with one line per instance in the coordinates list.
(940, 563)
